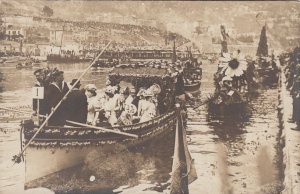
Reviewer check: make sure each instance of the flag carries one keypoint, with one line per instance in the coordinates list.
(183, 170)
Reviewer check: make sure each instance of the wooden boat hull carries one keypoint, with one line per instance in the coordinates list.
(56, 149)
(194, 87)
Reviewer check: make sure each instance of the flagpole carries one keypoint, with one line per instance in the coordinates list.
(15, 158)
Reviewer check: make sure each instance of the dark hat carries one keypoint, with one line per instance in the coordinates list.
(74, 81)
(57, 73)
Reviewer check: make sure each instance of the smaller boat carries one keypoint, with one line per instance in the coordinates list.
(192, 73)
(267, 66)
(25, 65)
(234, 84)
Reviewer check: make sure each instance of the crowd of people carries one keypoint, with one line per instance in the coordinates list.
(292, 72)
(112, 106)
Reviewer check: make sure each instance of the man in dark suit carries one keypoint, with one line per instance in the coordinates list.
(76, 103)
(57, 90)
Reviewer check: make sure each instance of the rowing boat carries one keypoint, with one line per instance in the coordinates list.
(56, 148)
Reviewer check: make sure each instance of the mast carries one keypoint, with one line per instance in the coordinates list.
(174, 52)
(61, 40)
(262, 49)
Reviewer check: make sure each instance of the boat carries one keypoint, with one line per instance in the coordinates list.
(25, 65)
(192, 73)
(56, 148)
(267, 66)
(234, 82)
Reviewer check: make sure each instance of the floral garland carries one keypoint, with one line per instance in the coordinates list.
(44, 138)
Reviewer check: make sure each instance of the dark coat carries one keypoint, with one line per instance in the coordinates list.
(55, 95)
(179, 85)
(77, 106)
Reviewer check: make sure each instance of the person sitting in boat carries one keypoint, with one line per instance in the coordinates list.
(57, 90)
(228, 93)
(127, 118)
(149, 110)
(77, 104)
(110, 104)
(93, 103)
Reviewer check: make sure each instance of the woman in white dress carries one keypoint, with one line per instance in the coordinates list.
(149, 109)
(110, 105)
(93, 104)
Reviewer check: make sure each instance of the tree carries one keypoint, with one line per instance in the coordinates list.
(47, 11)
(262, 49)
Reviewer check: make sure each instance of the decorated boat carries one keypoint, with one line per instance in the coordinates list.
(55, 148)
(267, 66)
(25, 65)
(232, 84)
(192, 73)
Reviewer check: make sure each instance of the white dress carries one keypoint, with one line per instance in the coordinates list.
(93, 106)
(142, 106)
(109, 107)
(149, 112)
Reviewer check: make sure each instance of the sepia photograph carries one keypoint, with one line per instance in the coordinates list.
(149, 97)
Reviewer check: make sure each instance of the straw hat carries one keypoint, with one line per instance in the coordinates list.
(91, 87)
(155, 88)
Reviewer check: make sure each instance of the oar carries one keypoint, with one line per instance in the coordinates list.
(104, 129)
(17, 158)
(19, 111)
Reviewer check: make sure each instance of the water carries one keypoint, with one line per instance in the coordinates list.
(232, 155)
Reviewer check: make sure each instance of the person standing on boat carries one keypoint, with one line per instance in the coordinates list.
(57, 90)
(110, 105)
(77, 105)
(179, 85)
(142, 102)
(149, 110)
(132, 98)
(43, 104)
(93, 104)
(124, 93)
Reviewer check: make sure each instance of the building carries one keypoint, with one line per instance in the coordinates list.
(9, 46)
(13, 32)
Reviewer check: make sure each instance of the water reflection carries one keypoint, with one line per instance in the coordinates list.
(117, 167)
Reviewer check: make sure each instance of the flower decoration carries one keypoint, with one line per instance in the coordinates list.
(233, 66)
